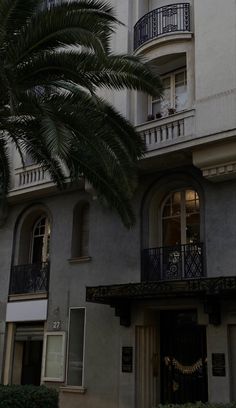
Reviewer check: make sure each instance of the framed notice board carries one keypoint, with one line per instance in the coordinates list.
(218, 365)
(127, 359)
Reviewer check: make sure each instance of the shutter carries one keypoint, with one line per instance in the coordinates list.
(29, 332)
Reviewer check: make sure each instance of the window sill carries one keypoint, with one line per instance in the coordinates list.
(73, 389)
(80, 259)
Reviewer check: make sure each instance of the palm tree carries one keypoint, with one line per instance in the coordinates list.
(53, 61)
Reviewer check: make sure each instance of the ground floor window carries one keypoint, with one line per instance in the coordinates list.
(75, 362)
(54, 356)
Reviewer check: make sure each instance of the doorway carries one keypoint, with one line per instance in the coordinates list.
(31, 362)
(27, 358)
(183, 357)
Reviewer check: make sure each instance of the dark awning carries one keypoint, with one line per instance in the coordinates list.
(111, 294)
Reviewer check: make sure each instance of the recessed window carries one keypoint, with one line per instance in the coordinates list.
(76, 347)
(80, 235)
(174, 97)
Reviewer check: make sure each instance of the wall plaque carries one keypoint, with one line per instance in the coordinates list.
(218, 364)
(127, 359)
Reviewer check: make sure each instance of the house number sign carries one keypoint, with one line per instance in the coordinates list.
(56, 325)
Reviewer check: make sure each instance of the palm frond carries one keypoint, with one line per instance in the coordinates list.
(53, 60)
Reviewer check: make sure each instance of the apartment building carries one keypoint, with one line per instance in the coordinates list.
(133, 318)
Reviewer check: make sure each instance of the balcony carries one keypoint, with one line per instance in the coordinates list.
(171, 19)
(181, 262)
(168, 131)
(29, 279)
(31, 176)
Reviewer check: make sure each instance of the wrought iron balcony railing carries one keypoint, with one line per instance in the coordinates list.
(31, 278)
(162, 21)
(173, 263)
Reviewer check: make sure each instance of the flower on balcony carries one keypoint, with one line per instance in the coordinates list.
(171, 111)
(150, 117)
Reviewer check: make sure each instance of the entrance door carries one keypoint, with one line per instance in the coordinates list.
(27, 357)
(31, 363)
(183, 358)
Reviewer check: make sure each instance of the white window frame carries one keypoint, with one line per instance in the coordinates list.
(63, 353)
(68, 343)
(170, 75)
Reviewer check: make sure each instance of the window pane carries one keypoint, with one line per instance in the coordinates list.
(37, 254)
(180, 97)
(193, 228)
(167, 208)
(180, 91)
(172, 206)
(192, 201)
(176, 198)
(166, 101)
(171, 231)
(166, 83)
(180, 79)
(54, 357)
(76, 347)
(156, 107)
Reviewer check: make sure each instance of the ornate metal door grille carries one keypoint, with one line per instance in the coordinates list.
(183, 358)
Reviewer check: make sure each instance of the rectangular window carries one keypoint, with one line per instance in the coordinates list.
(54, 356)
(76, 347)
(174, 95)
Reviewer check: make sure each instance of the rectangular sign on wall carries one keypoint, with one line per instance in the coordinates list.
(218, 364)
(27, 311)
(127, 359)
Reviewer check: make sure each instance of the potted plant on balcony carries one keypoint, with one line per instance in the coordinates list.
(150, 117)
(171, 111)
(158, 115)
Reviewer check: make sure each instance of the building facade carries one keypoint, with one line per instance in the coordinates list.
(133, 318)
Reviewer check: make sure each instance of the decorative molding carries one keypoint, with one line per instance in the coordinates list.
(112, 294)
(225, 171)
(217, 162)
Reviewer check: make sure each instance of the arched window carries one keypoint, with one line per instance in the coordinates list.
(181, 218)
(40, 241)
(80, 236)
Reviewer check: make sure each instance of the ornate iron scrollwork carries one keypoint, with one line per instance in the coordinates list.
(163, 20)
